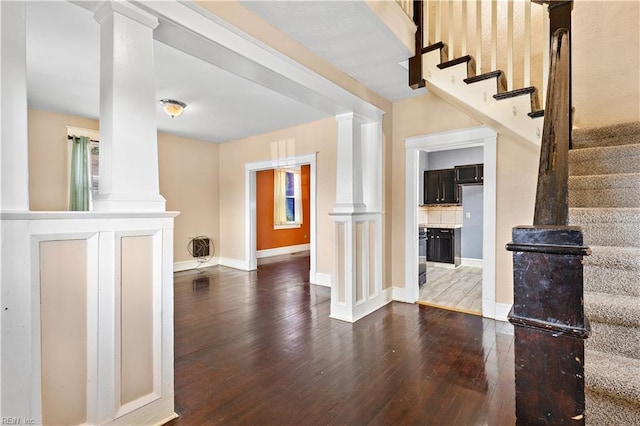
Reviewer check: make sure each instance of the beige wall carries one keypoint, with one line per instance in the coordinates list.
(606, 62)
(188, 175)
(319, 136)
(49, 158)
(189, 181)
(517, 163)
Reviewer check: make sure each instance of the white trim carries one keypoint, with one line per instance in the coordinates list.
(502, 311)
(320, 278)
(343, 313)
(403, 294)
(278, 251)
(193, 264)
(287, 226)
(469, 261)
(250, 170)
(465, 138)
(243, 265)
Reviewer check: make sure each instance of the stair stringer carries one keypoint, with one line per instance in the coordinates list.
(506, 116)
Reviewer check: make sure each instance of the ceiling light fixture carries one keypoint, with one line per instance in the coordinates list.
(172, 107)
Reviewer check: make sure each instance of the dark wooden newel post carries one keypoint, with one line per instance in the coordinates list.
(548, 312)
(549, 324)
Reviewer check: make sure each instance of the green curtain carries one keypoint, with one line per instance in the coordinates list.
(80, 181)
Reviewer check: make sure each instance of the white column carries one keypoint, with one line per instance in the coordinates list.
(349, 193)
(16, 346)
(372, 166)
(128, 131)
(14, 154)
(356, 288)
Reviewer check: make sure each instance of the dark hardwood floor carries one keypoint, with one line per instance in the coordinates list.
(259, 348)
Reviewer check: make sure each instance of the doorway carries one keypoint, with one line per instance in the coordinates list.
(466, 138)
(251, 218)
(453, 232)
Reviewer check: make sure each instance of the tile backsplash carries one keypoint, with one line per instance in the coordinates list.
(440, 214)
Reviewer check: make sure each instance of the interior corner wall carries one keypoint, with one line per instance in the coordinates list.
(605, 62)
(517, 163)
(189, 181)
(317, 137)
(188, 171)
(266, 236)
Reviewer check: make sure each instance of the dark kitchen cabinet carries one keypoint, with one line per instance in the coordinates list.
(469, 174)
(443, 245)
(440, 188)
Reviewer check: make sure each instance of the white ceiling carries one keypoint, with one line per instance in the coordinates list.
(63, 68)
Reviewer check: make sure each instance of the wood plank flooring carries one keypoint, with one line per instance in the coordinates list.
(258, 348)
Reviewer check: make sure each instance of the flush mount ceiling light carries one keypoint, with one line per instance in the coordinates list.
(172, 107)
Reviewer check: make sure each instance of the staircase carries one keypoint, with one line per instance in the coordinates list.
(604, 199)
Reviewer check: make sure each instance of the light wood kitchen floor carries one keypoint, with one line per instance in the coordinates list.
(456, 289)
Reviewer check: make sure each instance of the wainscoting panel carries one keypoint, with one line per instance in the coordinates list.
(136, 326)
(63, 329)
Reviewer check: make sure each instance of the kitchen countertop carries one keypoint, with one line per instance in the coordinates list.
(440, 225)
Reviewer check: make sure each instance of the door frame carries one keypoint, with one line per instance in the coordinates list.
(250, 217)
(458, 139)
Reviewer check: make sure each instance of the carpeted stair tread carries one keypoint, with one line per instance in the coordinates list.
(613, 270)
(615, 257)
(604, 160)
(581, 215)
(613, 309)
(608, 226)
(614, 375)
(612, 190)
(617, 134)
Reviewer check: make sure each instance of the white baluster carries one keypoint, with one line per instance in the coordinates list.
(510, 45)
(479, 36)
(463, 45)
(527, 44)
(450, 30)
(494, 35)
(426, 31)
(438, 22)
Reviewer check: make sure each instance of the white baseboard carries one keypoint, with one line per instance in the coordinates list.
(243, 265)
(193, 264)
(342, 313)
(402, 294)
(320, 278)
(469, 261)
(278, 251)
(502, 311)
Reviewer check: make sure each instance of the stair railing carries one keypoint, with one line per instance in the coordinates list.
(499, 34)
(548, 311)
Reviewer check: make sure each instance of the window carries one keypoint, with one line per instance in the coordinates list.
(287, 202)
(89, 180)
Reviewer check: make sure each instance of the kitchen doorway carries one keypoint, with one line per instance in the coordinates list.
(465, 138)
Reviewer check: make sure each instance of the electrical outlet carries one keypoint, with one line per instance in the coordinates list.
(467, 215)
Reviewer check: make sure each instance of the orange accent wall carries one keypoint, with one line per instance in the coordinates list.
(267, 237)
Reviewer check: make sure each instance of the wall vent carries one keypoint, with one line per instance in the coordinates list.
(201, 247)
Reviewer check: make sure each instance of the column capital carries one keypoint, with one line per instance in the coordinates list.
(125, 8)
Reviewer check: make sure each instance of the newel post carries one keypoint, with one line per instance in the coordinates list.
(549, 324)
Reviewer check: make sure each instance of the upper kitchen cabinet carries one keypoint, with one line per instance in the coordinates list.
(440, 187)
(469, 174)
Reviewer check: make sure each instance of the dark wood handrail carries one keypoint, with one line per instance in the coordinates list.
(552, 204)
